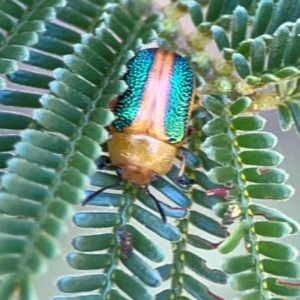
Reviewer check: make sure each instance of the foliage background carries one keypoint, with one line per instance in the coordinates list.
(288, 142)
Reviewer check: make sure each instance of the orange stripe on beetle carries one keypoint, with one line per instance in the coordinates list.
(150, 116)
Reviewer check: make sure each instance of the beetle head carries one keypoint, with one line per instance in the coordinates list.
(136, 175)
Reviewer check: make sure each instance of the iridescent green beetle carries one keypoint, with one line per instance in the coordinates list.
(152, 117)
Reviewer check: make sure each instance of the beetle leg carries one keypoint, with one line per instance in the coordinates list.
(181, 178)
(197, 105)
(182, 165)
(102, 164)
(94, 194)
(197, 102)
(188, 134)
(162, 213)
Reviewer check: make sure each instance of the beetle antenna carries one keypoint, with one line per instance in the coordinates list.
(162, 213)
(93, 195)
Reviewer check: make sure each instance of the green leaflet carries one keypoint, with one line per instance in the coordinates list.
(96, 219)
(13, 121)
(11, 245)
(195, 12)
(62, 109)
(276, 250)
(9, 264)
(142, 270)
(104, 179)
(267, 183)
(174, 212)
(258, 52)
(277, 47)
(177, 196)
(272, 229)
(93, 242)
(237, 264)
(221, 140)
(281, 14)
(81, 283)
(262, 17)
(7, 66)
(221, 155)
(214, 10)
(244, 48)
(31, 79)
(81, 261)
(207, 224)
(195, 288)
(240, 105)
(264, 175)
(274, 215)
(238, 26)
(70, 95)
(51, 120)
(244, 281)
(287, 72)
(4, 157)
(166, 231)
(145, 246)
(207, 163)
(30, 171)
(73, 81)
(261, 140)
(114, 294)
(213, 105)
(165, 271)
(222, 175)
(164, 294)
(220, 37)
(285, 117)
(199, 242)
(215, 126)
(231, 242)
(261, 158)
(205, 200)
(130, 285)
(248, 123)
(203, 180)
(295, 113)
(281, 268)
(270, 191)
(282, 287)
(197, 264)
(241, 65)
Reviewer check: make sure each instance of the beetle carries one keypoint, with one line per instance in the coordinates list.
(152, 118)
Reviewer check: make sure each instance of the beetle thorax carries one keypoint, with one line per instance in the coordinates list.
(140, 156)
